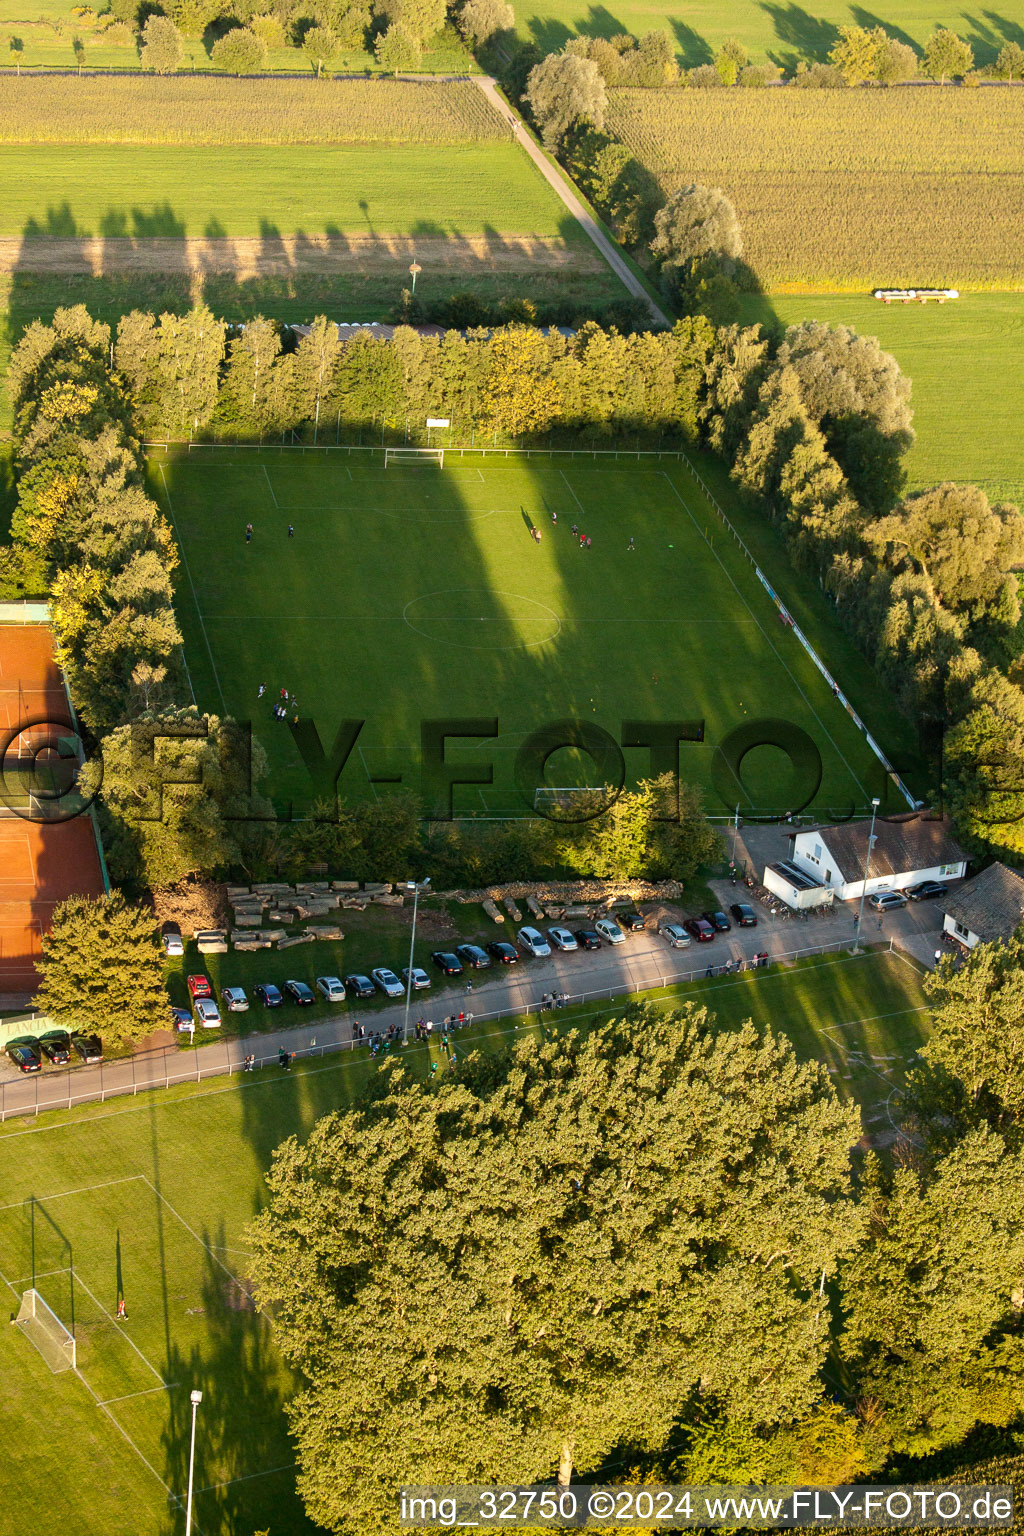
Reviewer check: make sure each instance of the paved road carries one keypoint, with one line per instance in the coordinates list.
(563, 189)
(643, 962)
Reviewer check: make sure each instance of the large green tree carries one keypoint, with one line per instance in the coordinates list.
(102, 969)
(562, 91)
(507, 1275)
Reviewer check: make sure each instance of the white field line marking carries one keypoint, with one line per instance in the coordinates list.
(277, 504)
(191, 1231)
(127, 1338)
(270, 1472)
(167, 1386)
(915, 965)
(362, 759)
(65, 1194)
(121, 1430)
(825, 732)
(195, 595)
(572, 493)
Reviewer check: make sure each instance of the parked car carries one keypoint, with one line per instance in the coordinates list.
(56, 1046)
(587, 938)
(268, 994)
(630, 922)
(234, 999)
(420, 979)
(26, 1054)
(503, 952)
(718, 920)
(89, 1047)
(534, 942)
(926, 890)
(610, 930)
(700, 929)
(387, 981)
(207, 1015)
(744, 914)
(473, 957)
(300, 993)
(887, 901)
(445, 961)
(173, 944)
(675, 935)
(563, 939)
(331, 989)
(358, 985)
(182, 1019)
(199, 986)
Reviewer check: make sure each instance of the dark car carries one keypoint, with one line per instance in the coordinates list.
(89, 1047)
(507, 954)
(926, 890)
(473, 957)
(445, 961)
(700, 929)
(358, 985)
(300, 993)
(56, 1046)
(718, 920)
(25, 1054)
(181, 1018)
(630, 922)
(586, 938)
(745, 915)
(267, 994)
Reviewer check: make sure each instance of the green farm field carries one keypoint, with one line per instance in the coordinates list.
(964, 361)
(152, 1195)
(784, 32)
(846, 191)
(409, 594)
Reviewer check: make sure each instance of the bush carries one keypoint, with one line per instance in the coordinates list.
(756, 76)
(896, 62)
(397, 49)
(820, 77)
(240, 52)
(704, 78)
(269, 30)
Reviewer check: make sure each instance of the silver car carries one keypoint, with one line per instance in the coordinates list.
(420, 979)
(675, 935)
(205, 1010)
(563, 939)
(331, 989)
(234, 999)
(388, 982)
(533, 941)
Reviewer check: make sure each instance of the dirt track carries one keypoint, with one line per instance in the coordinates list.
(286, 255)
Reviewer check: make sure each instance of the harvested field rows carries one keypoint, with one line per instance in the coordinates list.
(847, 190)
(194, 110)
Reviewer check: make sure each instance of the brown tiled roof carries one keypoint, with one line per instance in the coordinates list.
(902, 845)
(990, 904)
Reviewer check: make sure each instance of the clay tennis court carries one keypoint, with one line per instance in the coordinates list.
(40, 864)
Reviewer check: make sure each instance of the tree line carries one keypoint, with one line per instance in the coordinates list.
(650, 1247)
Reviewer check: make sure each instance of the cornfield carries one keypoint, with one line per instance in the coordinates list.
(914, 187)
(193, 110)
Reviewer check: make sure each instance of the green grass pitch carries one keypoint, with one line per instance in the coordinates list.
(411, 594)
(154, 1193)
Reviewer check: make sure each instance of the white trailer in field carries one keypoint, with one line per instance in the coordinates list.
(914, 295)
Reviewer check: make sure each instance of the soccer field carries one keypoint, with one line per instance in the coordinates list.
(148, 1198)
(407, 595)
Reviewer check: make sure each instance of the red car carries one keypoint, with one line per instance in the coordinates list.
(700, 929)
(198, 986)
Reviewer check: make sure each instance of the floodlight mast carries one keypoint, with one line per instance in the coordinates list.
(197, 1398)
(867, 865)
(415, 887)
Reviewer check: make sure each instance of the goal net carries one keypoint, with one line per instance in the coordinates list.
(39, 1323)
(414, 456)
(578, 802)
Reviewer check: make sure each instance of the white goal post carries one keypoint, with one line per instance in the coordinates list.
(564, 802)
(44, 1329)
(414, 456)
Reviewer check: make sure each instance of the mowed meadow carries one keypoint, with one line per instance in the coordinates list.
(849, 190)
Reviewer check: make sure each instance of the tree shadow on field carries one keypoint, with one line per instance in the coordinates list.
(599, 22)
(548, 34)
(692, 49)
(1009, 31)
(868, 19)
(987, 36)
(811, 36)
(244, 1459)
(58, 224)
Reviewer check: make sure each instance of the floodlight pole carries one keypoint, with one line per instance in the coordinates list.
(415, 887)
(867, 865)
(197, 1398)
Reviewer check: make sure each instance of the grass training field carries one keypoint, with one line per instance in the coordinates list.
(409, 594)
(786, 32)
(848, 190)
(149, 1198)
(964, 361)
